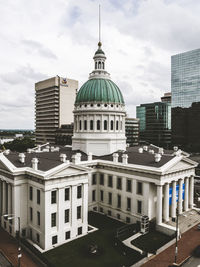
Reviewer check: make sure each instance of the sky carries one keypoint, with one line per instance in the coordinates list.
(40, 39)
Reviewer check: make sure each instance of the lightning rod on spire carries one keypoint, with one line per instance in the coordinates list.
(99, 25)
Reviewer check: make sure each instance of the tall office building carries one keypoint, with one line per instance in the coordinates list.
(185, 87)
(54, 104)
(132, 131)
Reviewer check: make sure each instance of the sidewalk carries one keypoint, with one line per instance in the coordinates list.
(186, 244)
(9, 246)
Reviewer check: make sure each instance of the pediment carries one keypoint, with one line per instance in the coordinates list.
(3, 167)
(67, 171)
(183, 164)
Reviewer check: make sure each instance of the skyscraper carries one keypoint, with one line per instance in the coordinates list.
(54, 103)
(132, 131)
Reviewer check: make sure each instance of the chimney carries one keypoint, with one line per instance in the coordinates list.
(140, 150)
(63, 157)
(7, 152)
(125, 159)
(29, 150)
(35, 163)
(145, 148)
(115, 157)
(157, 157)
(175, 148)
(161, 150)
(89, 156)
(76, 158)
(22, 157)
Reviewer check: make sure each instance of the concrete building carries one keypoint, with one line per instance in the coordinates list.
(54, 104)
(132, 131)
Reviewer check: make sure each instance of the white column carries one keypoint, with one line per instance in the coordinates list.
(159, 205)
(186, 195)
(73, 211)
(85, 208)
(166, 202)
(173, 206)
(9, 199)
(0, 199)
(60, 214)
(191, 198)
(4, 198)
(16, 200)
(180, 197)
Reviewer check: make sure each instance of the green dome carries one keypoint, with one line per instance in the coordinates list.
(99, 90)
(99, 51)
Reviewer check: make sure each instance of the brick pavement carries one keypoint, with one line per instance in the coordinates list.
(9, 246)
(186, 244)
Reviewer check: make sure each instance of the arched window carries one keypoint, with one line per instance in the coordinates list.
(99, 65)
(98, 124)
(105, 125)
(80, 125)
(91, 124)
(85, 125)
(111, 125)
(117, 125)
(95, 65)
(102, 65)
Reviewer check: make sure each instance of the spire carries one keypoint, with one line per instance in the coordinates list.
(99, 43)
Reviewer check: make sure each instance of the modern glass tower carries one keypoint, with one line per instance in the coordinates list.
(185, 88)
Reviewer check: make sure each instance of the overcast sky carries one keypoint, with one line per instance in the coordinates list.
(44, 38)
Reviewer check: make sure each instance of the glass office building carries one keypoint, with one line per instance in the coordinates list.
(185, 89)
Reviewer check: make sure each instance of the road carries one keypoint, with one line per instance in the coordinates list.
(192, 262)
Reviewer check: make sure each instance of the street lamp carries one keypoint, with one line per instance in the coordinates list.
(10, 217)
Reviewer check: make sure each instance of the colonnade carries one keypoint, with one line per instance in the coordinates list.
(166, 208)
(6, 192)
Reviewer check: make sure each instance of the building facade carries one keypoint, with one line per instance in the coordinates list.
(54, 104)
(132, 131)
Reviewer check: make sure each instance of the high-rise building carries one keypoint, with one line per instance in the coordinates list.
(167, 97)
(185, 87)
(155, 123)
(54, 104)
(132, 131)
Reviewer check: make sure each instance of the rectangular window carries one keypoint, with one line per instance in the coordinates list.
(109, 213)
(85, 124)
(38, 196)
(101, 195)
(67, 216)
(118, 216)
(53, 197)
(110, 198)
(128, 220)
(31, 193)
(119, 183)
(38, 238)
(38, 217)
(128, 203)
(79, 191)
(79, 212)
(101, 209)
(118, 201)
(67, 194)
(80, 231)
(101, 179)
(31, 214)
(31, 234)
(139, 188)
(110, 181)
(67, 235)
(139, 206)
(128, 185)
(53, 219)
(94, 180)
(54, 239)
(93, 195)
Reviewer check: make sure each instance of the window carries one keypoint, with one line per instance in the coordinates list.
(98, 124)
(101, 209)
(31, 193)
(119, 183)
(66, 194)
(10, 229)
(31, 214)
(110, 181)
(99, 64)
(53, 219)
(118, 216)
(79, 212)
(128, 203)
(38, 217)
(91, 125)
(80, 231)
(110, 198)
(38, 196)
(53, 197)
(101, 179)
(101, 195)
(38, 238)
(95, 208)
(118, 201)
(93, 195)
(128, 185)
(67, 216)
(94, 180)
(79, 191)
(111, 125)
(128, 220)
(95, 65)
(54, 239)
(85, 124)
(80, 125)
(109, 213)
(102, 65)
(31, 234)
(67, 235)
(117, 125)
(139, 188)
(139, 206)
(105, 125)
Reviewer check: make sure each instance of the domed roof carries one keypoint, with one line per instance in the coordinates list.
(99, 90)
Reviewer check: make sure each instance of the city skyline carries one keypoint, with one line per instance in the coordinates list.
(40, 40)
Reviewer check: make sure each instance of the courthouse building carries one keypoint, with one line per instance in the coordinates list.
(51, 189)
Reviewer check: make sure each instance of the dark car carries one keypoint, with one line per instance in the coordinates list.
(196, 251)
